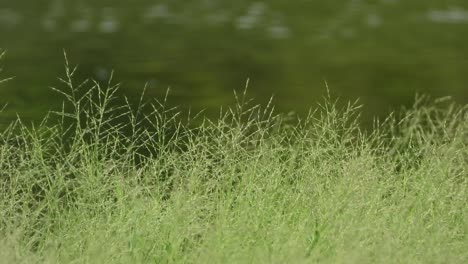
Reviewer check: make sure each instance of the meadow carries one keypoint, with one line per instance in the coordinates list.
(107, 181)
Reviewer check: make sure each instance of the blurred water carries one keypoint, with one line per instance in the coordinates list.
(380, 51)
(454, 15)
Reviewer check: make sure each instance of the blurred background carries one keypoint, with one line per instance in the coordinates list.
(380, 51)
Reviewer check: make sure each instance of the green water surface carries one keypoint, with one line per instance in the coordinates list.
(382, 51)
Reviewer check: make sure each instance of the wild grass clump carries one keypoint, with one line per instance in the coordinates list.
(105, 182)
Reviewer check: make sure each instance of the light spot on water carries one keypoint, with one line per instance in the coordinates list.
(257, 9)
(389, 1)
(9, 17)
(277, 28)
(80, 25)
(374, 20)
(153, 83)
(56, 8)
(278, 31)
(454, 15)
(83, 22)
(208, 3)
(109, 23)
(49, 24)
(217, 18)
(253, 16)
(348, 33)
(157, 11)
(101, 73)
(246, 22)
(55, 11)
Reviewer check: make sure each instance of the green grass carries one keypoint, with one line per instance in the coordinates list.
(104, 182)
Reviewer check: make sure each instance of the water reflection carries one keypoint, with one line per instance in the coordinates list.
(83, 22)
(253, 16)
(278, 30)
(109, 22)
(158, 11)
(82, 18)
(256, 15)
(454, 15)
(374, 20)
(389, 1)
(340, 23)
(9, 18)
(102, 73)
(55, 12)
(384, 50)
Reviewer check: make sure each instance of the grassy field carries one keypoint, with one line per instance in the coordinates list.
(104, 182)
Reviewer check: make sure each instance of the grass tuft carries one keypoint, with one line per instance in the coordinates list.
(103, 181)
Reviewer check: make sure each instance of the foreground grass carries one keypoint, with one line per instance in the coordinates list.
(103, 184)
